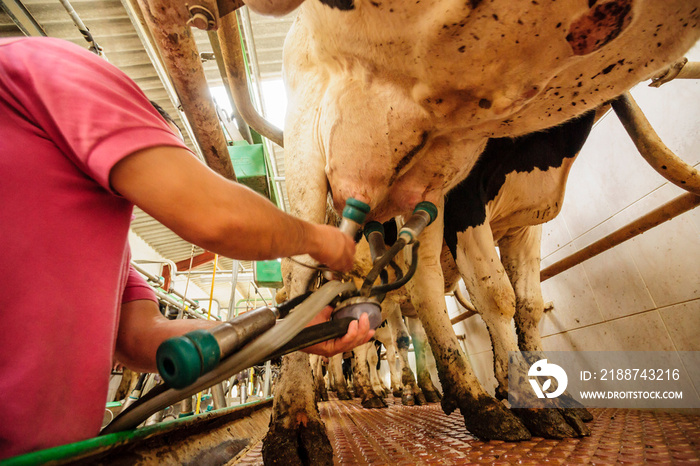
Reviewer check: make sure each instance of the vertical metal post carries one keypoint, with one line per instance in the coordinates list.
(167, 23)
(230, 42)
(134, 13)
(232, 311)
(186, 407)
(217, 392)
(268, 379)
(243, 387)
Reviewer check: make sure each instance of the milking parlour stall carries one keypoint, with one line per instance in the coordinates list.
(513, 324)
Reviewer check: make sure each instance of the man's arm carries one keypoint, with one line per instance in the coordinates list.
(142, 328)
(221, 216)
(224, 217)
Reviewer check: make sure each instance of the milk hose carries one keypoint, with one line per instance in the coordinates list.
(257, 350)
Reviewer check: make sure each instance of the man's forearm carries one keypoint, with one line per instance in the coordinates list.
(224, 217)
(142, 328)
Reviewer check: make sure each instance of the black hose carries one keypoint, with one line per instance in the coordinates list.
(287, 306)
(397, 270)
(381, 263)
(334, 328)
(383, 289)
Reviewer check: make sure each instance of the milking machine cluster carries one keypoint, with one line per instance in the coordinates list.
(202, 358)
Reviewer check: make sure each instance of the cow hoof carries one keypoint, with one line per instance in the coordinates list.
(432, 396)
(574, 418)
(398, 393)
(547, 423)
(420, 399)
(373, 403)
(407, 399)
(570, 405)
(301, 445)
(489, 419)
(582, 413)
(343, 395)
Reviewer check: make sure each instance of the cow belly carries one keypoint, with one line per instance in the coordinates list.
(528, 199)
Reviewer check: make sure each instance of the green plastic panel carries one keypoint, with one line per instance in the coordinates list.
(76, 450)
(249, 164)
(268, 274)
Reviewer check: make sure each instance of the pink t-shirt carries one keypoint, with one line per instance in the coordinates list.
(137, 288)
(66, 118)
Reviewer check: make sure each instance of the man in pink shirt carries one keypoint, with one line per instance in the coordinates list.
(79, 145)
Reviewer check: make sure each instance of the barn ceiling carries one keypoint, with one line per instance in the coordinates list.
(117, 29)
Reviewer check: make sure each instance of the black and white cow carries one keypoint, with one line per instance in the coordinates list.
(514, 187)
(392, 102)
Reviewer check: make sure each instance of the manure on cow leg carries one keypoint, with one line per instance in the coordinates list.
(432, 396)
(407, 398)
(489, 419)
(300, 445)
(574, 420)
(551, 423)
(343, 394)
(373, 402)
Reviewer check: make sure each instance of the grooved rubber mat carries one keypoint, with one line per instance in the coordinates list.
(424, 435)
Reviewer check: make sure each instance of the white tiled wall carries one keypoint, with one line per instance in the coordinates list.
(644, 294)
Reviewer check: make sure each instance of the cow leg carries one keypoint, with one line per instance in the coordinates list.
(494, 298)
(484, 416)
(386, 333)
(420, 349)
(339, 385)
(411, 393)
(392, 360)
(520, 255)
(320, 389)
(297, 434)
(363, 386)
(374, 379)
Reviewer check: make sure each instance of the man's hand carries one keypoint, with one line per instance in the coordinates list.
(333, 248)
(358, 333)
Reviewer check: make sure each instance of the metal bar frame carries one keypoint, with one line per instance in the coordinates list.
(22, 18)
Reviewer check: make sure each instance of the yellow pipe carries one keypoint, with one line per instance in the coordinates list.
(211, 299)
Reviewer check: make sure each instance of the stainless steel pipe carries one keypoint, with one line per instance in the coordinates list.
(230, 42)
(657, 216)
(652, 148)
(167, 22)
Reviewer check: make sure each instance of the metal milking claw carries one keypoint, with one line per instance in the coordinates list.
(356, 306)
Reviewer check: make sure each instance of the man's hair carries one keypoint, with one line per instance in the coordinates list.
(165, 114)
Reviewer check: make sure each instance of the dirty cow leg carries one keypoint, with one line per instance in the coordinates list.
(297, 434)
(338, 383)
(374, 379)
(408, 390)
(520, 255)
(493, 296)
(316, 363)
(421, 348)
(385, 335)
(363, 386)
(410, 394)
(484, 416)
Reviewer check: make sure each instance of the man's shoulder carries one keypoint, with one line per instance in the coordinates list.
(40, 43)
(48, 49)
